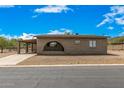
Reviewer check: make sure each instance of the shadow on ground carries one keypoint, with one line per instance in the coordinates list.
(109, 54)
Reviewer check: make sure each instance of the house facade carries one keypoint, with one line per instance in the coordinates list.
(71, 44)
(66, 44)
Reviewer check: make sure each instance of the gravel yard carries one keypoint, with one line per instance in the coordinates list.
(113, 57)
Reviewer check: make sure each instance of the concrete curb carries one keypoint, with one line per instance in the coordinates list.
(72, 65)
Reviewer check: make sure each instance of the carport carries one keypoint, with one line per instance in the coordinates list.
(28, 43)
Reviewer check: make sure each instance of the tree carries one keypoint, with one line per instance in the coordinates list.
(117, 40)
(67, 33)
(12, 43)
(3, 43)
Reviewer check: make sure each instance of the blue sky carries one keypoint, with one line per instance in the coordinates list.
(20, 21)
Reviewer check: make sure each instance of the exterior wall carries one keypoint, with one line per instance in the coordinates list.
(34, 48)
(71, 48)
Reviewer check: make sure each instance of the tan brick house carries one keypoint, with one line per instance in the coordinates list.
(70, 44)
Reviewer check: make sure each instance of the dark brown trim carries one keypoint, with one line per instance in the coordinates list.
(71, 36)
(28, 41)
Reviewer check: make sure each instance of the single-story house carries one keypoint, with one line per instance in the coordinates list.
(67, 44)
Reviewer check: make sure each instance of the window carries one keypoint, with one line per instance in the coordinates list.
(92, 43)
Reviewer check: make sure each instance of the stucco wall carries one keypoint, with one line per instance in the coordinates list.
(71, 48)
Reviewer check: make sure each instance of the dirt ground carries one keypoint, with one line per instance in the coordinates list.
(113, 57)
(6, 54)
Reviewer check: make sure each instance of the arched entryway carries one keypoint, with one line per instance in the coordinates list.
(53, 46)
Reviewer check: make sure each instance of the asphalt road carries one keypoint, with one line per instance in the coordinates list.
(63, 77)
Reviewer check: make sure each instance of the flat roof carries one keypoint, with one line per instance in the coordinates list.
(70, 36)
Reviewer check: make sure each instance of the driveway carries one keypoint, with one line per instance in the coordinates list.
(14, 59)
(72, 77)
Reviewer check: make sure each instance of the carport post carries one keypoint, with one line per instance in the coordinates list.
(18, 47)
(26, 48)
(32, 47)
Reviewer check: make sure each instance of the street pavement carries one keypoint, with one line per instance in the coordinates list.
(62, 77)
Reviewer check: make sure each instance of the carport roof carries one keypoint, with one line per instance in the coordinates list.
(28, 41)
(71, 36)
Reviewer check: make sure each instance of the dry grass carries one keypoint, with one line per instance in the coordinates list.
(114, 57)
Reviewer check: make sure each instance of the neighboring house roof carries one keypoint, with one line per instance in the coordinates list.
(71, 36)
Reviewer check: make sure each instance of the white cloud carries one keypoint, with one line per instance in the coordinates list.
(121, 34)
(117, 9)
(110, 28)
(116, 15)
(25, 36)
(54, 32)
(35, 16)
(8, 36)
(106, 20)
(61, 31)
(7, 6)
(53, 9)
(120, 21)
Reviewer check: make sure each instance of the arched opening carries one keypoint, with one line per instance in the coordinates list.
(53, 46)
